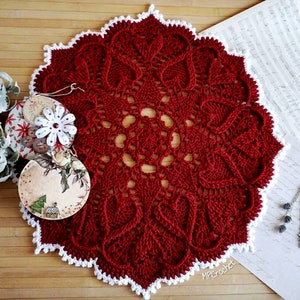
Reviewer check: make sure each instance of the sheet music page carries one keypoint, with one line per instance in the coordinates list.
(270, 34)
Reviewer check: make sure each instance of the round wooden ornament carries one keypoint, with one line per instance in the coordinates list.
(55, 186)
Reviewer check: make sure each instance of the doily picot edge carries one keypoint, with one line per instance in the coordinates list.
(197, 266)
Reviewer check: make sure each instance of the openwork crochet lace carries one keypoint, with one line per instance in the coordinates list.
(176, 144)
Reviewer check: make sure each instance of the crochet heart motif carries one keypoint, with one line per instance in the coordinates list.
(176, 144)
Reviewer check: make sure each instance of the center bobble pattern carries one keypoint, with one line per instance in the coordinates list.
(175, 142)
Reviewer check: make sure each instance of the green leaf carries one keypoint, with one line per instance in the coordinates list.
(64, 181)
(14, 90)
(38, 205)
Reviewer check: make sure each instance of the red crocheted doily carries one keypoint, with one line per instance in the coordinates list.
(172, 188)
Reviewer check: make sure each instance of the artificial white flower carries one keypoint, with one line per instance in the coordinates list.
(55, 126)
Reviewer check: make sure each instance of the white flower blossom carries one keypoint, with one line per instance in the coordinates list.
(55, 126)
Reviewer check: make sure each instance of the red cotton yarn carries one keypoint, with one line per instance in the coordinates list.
(176, 144)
